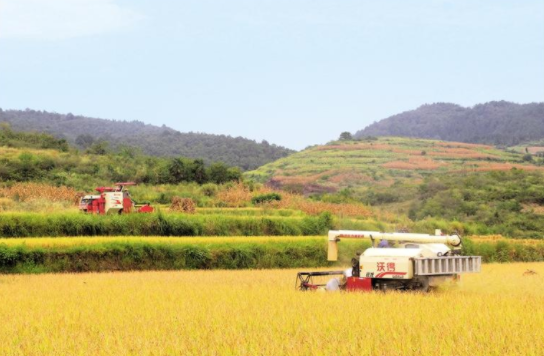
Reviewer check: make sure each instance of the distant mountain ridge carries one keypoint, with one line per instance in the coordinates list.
(153, 140)
(497, 122)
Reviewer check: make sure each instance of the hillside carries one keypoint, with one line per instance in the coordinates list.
(482, 189)
(382, 162)
(153, 140)
(496, 123)
(39, 157)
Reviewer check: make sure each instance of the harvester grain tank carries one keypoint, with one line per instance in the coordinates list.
(416, 262)
(113, 200)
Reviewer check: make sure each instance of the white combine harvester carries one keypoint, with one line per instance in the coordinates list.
(416, 262)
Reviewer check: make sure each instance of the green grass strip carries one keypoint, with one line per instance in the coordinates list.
(77, 224)
(122, 254)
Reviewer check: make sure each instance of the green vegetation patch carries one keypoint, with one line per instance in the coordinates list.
(141, 255)
(230, 254)
(76, 224)
(100, 136)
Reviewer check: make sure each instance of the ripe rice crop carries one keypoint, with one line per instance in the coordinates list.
(535, 149)
(460, 153)
(496, 312)
(311, 207)
(239, 196)
(35, 191)
(462, 144)
(354, 147)
(413, 164)
(236, 196)
(350, 177)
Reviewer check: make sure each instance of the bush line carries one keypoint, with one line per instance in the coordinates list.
(141, 255)
(132, 256)
(52, 225)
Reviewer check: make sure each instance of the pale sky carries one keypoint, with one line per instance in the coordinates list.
(293, 72)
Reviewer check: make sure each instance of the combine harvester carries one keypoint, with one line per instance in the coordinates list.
(417, 262)
(115, 200)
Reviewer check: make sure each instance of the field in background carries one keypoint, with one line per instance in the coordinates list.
(497, 312)
(221, 199)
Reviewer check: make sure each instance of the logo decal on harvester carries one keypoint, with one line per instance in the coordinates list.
(380, 267)
(391, 267)
(391, 270)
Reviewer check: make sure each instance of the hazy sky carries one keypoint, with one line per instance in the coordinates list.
(293, 72)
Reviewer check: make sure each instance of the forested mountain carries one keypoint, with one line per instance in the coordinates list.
(39, 157)
(497, 122)
(154, 140)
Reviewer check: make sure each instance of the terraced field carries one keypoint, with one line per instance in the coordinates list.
(382, 162)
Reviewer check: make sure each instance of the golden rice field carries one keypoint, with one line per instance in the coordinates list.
(497, 312)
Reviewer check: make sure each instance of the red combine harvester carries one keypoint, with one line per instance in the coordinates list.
(115, 200)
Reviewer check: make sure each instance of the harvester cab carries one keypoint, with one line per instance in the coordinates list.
(415, 262)
(113, 200)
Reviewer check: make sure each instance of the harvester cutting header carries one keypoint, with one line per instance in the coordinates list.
(416, 262)
(113, 200)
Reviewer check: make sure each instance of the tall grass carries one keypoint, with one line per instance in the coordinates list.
(122, 253)
(143, 255)
(76, 224)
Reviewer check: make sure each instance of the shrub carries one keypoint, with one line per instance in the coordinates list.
(265, 198)
(141, 255)
(209, 190)
(528, 157)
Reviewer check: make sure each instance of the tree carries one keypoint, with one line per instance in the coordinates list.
(129, 152)
(179, 171)
(234, 174)
(99, 148)
(528, 157)
(84, 141)
(199, 171)
(346, 136)
(218, 173)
